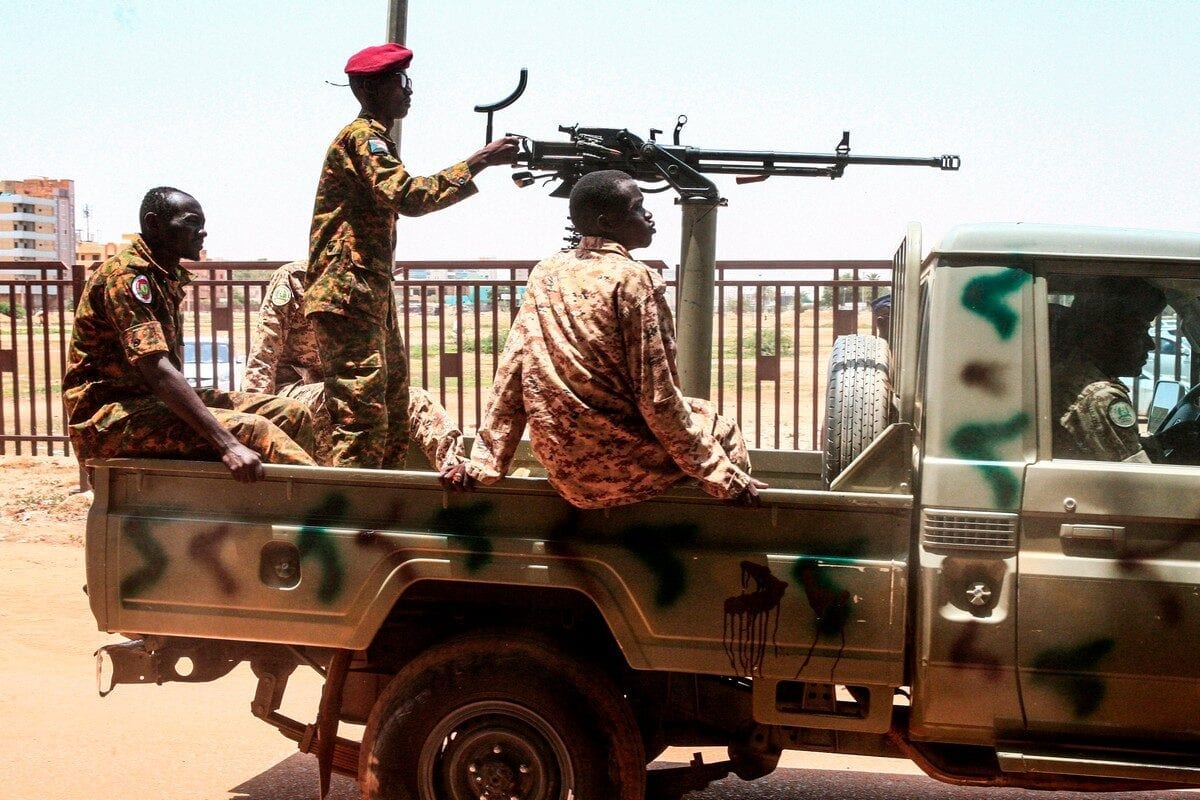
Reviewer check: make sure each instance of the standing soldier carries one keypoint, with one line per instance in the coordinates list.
(349, 301)
(283, 360)
(123, 389)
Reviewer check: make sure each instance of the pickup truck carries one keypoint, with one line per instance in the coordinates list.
(932, 585)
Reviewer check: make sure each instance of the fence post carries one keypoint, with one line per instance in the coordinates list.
(78, 274)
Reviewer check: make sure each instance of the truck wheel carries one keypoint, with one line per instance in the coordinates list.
(501, 716)
(857, 398)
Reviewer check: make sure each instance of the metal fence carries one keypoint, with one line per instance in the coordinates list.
(775, 324)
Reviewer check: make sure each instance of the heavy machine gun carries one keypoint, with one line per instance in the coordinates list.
(682, 168)
(657, 166)
(679, 167)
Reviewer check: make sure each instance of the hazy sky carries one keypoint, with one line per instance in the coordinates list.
(1062, 112)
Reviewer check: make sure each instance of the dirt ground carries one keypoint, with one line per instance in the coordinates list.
(60, 741)
(40, 500)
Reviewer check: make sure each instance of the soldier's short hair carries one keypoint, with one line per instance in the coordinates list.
(1105, 301)
(158, 201)
(1119, 296)
(594, 194)
(366, 87)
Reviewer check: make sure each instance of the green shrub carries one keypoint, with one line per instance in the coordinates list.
(9, 311)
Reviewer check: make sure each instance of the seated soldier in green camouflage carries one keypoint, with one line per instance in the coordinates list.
(1099, 339)
(123, 389)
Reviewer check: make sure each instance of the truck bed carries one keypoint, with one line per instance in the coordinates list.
(318, 556)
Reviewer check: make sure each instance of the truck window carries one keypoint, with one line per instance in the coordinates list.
(1112, 339)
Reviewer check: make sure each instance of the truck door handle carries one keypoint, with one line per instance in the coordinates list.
(1092, 534)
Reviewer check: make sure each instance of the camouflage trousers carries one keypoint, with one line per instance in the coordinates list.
(724, 429)
(278, 429)
(430, 426)
(312, 395)
(366, 389)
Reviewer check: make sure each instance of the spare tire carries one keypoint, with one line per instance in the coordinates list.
(857, 400)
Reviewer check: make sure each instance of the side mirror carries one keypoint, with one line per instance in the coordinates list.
(1167, 395)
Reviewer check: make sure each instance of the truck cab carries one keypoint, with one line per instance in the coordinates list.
(1055, 591)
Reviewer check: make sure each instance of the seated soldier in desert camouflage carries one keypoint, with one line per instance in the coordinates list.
(123, 389)
(589, 364)
(1101, 337)
(283, 360)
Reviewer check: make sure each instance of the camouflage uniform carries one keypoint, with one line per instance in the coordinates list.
(1096, 419)
(283, 360)
(349, 300)
(590, 365)
(129, 309)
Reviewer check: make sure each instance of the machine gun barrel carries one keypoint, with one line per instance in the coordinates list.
(730, 161)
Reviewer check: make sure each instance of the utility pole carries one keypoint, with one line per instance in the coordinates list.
(397, 31)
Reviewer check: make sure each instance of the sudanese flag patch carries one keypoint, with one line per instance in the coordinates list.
(141, 289)
(281, 295)
(1122, 415)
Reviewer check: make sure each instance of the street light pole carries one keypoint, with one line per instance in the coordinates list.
(397, 31)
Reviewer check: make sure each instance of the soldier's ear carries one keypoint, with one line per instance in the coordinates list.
(603, 223)
(151, 224)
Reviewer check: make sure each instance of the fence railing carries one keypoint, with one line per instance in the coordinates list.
(775, 325)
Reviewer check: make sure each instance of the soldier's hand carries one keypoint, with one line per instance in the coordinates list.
(455, 478)
(749, 496)
(501, 151)
(243, 462)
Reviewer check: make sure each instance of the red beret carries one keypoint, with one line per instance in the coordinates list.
(381, 57)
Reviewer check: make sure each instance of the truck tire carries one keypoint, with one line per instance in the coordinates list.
(501, 715)
(857, 400)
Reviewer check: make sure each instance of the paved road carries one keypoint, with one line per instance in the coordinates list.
(59, 741)
(297, 774)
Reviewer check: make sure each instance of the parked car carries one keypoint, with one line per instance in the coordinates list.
(208, 364)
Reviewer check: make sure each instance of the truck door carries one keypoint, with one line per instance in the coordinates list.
(1108, 602)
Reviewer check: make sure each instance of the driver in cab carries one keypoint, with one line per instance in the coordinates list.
(1101, 336)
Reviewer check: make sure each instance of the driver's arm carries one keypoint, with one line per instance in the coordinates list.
(1103, 424)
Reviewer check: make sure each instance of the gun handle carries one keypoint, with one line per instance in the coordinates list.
(505, 103)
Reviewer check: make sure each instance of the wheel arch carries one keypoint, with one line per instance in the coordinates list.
(430, 611)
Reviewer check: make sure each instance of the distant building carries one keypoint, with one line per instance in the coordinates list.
(92, 254)
(37, 220)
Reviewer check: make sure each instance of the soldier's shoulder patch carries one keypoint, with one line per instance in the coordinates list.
(377, 147)
(141, 289)
(281, 296)
(1121, 414)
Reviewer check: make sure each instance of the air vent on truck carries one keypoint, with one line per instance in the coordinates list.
(968, 530)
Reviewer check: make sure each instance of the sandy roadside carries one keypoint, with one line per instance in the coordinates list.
(61, 741)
